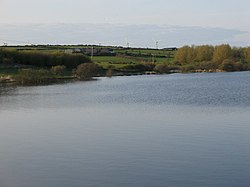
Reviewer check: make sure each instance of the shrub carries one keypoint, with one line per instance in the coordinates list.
(86, 71)
(188, 68)
(58, 70)
(136, 67)
(109, 72)
(228, 65)
(208, 65)
(149, 66)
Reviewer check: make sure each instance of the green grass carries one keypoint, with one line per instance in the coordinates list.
(116, 59)
(107, 65)
(119, 62)
(129, 60)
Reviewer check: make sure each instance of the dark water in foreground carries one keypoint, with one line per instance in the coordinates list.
(172, 130)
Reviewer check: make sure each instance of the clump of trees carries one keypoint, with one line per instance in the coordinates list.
(207, 57)
(44, 59)
(47, 76)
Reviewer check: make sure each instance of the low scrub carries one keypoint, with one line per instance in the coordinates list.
(188, 68)
(34, 77)
(163, 68)
(137, 68)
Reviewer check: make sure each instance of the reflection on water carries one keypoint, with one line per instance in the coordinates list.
(171, 130)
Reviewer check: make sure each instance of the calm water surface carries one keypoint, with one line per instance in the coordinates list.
(171, 130)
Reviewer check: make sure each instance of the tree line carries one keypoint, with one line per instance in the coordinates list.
(207, 57)
(42, 59)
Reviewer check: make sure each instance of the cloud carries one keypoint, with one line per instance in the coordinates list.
(114, 34)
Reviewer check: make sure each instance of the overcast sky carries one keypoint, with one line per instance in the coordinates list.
(224, 14)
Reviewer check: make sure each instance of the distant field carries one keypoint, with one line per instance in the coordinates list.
(123, 57)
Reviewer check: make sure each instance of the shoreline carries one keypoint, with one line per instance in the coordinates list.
(9, 80)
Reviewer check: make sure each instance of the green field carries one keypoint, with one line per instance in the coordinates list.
(122, 57)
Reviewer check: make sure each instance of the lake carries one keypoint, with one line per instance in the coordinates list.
(141, 131)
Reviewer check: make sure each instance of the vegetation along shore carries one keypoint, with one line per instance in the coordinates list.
(43, 64)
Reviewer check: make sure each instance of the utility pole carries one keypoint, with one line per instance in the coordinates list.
(127, 43)
(92, 52)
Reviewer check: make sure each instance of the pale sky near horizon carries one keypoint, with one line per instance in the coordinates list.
(206, 13)
(203, 21)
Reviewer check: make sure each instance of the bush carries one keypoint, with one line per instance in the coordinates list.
(136, 67)
(149, 66)
(245, 67)
(58, 70)
(188, 68)
(86, 71)
(228, 65)
(163, 68)
(109, 73)
(208, 65)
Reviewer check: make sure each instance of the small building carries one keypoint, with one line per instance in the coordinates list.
(96, 51)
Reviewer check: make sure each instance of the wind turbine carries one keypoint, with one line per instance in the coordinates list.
(156, 43)
(99, 43)
(127, 43)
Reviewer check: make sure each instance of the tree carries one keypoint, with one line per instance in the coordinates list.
(221, 53)
(247, 54)
(204, 53)
(185, 55)
(237, 53)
